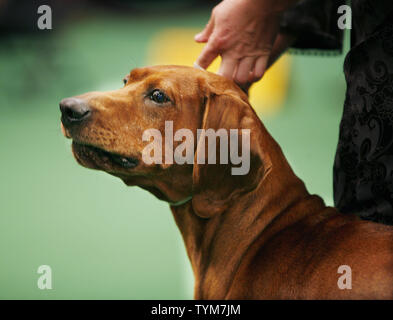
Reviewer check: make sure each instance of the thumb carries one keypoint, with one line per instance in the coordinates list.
(204, 35)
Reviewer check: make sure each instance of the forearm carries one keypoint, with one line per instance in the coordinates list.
(275, 6)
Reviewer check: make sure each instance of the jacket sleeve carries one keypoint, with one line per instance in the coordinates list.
(314, 23)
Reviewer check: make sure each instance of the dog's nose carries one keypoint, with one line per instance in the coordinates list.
(74, 110)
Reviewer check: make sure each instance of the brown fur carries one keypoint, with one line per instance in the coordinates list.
(259, 236)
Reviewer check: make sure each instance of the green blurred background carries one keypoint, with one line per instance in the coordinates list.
(104, 240)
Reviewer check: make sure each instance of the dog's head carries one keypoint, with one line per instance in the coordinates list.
(159, 109)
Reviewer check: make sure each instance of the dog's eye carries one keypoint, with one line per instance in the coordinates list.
(158, 96)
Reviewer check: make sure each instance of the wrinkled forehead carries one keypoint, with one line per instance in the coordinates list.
(176, 76)
(140, 73)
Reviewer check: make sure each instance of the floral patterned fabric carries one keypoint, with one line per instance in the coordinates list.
(363, 168)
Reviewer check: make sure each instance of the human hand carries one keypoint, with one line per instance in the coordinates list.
(243, 33)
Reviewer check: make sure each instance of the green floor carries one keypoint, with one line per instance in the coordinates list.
(101, 238)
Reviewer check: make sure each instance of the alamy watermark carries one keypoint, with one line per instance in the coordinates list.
(184, 152)
(44, 21)
(345, 20)
(45, 280)
(344, 281)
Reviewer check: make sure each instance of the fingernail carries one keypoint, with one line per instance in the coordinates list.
(196, 65)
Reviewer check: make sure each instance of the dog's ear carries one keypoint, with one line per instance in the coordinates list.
(216, 186)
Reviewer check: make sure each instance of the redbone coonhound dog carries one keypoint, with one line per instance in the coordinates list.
(254, 236)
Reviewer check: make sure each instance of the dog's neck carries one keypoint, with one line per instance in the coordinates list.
(216, 246)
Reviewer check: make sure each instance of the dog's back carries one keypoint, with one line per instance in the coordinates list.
(324, 256)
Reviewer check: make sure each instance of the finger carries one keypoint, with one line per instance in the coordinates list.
(246, 87)
(260, 67)
(251, 77)
(204, 35)
(243, 70)
(208, 54)
(227, 67)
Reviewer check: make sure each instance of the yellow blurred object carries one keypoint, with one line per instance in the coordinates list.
(177, 46)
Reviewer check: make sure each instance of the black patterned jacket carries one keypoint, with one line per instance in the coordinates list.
(363, 168)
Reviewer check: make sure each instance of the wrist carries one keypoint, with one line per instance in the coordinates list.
(269, 7)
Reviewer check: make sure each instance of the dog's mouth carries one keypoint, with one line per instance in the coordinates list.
(97, 158)
(124, 162)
